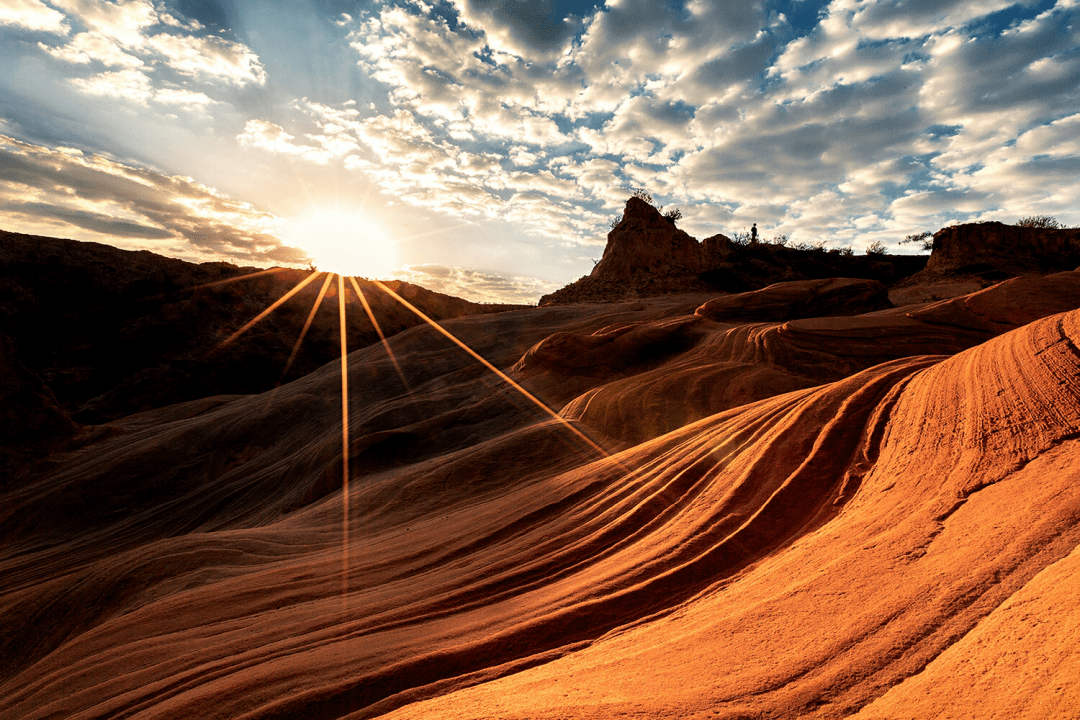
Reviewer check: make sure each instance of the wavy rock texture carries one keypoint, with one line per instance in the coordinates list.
(873, 514)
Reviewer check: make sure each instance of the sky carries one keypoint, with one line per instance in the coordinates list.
(482, 147)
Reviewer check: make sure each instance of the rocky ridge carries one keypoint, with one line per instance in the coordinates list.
(92, 333)
(647, 255)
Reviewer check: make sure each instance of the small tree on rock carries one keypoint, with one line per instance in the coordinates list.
(924, 239)
(1039, 221)
(876, 248)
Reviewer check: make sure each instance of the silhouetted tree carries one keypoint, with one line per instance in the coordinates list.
(924, 239)
(1039, 221)
(876, 248)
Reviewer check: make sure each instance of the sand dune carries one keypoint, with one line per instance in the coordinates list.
(874, 514)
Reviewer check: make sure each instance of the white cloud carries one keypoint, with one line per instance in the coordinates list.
(130, 85)
(209, 58)
(87, 47)
(32, 15)
(122, 20)
(265, 135)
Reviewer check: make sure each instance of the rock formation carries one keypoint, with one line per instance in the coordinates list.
(646, 256)
(687, 506)
(809, 518)
(996, 251)
(645, 242)
(800, 299)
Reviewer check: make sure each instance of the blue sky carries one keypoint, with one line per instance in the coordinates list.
(481, 147)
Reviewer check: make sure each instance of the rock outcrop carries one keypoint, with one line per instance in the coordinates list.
(800, 299)
(997, 251)
(646, 256)
(31, 421)
(646, 242)
(831, 515)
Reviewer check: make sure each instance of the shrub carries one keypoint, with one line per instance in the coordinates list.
(925, 240)
(876, 248)
(781, 240)
(643, 194)
(673, 215)
(741, 238)
(1039, 221)
(615, 221)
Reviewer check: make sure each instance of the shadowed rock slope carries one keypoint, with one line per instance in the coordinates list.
(112, 332)
(810, 518)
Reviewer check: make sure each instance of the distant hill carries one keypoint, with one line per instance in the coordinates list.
(110, 332)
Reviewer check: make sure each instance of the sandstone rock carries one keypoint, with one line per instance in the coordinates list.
(800, 299)
(1003, 250)
(647, 242)
(647, 256)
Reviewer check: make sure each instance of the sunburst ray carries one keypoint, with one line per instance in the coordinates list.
(276, 304)
(503, 376)
(382, 336)
(307, 325)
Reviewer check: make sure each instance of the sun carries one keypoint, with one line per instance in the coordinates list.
(348, 243)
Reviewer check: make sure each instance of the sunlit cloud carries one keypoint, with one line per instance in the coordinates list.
(32, 15)
(477, 286)
(57, 191)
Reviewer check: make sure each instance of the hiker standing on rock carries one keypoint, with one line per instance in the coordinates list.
(753, 235)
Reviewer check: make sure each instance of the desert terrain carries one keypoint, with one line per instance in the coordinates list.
(838, 488)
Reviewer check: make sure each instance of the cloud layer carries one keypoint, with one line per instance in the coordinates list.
(527, 124)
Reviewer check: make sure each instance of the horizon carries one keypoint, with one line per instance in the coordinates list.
(480, 148)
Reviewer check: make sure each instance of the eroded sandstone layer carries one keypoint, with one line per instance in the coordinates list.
(873, 515)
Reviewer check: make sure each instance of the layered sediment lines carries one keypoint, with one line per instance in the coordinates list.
(811, 518)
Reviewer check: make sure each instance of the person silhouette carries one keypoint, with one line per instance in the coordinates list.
(753, 235)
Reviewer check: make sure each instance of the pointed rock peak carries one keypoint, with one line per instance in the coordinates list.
(646, 242)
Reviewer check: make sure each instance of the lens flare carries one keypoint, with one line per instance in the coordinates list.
(382, 337)
(344, 443)
(307, 325)
(277, 303)
(502, 376)
(346, 243)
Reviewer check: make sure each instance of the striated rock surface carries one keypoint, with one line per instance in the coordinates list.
(814, 518)
(31, 421)
(800, 299)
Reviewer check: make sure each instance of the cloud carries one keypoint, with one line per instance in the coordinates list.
(32, 15)
(265, 135)
(128, 84)
(87, 47)
(523, 27)
(209, 58)
(126, 34)
(63, 190)
(478, 286)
